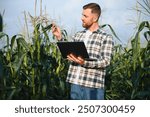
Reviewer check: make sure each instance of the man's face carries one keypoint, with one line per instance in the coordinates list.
(87, 18)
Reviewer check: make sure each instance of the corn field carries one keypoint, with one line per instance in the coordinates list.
(32, 71)
(36, 70)
(128, 76)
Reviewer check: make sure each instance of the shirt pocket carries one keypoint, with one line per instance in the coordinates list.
(93, 48)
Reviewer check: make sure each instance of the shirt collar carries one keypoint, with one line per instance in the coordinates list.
(97, 31)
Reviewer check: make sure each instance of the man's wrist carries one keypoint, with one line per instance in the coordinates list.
(59, 38)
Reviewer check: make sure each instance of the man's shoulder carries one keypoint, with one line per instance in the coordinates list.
(103, 33)
(99, 32)
(80, 32)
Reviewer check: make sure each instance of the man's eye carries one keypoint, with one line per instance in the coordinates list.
(85, 16)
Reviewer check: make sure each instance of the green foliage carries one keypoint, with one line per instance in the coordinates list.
(32, 71)
(36, 70)
(128, 76)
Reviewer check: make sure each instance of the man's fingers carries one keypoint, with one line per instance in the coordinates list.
(73, 58)
(54, 27)
(70, 58)
(81, 59)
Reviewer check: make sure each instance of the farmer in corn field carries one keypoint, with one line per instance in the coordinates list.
(87, 78)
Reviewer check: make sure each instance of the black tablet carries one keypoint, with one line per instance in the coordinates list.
(76, 48)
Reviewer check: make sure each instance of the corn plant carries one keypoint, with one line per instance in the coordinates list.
(128, 76)
(32, 71)
(36, 70)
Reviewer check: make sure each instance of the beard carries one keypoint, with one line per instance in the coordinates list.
(86, 25)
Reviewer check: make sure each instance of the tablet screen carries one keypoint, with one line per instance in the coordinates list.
(76, 48)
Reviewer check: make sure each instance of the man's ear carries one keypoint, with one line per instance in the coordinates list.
(95, 18)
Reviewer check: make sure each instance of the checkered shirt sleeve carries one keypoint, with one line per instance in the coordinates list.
(105, 54)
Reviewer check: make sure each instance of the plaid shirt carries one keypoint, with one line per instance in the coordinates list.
(92, 73)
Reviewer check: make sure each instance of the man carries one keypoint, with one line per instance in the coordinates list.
(87, 77)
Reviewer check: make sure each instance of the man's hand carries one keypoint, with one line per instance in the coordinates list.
(75, 59)
(56, 32)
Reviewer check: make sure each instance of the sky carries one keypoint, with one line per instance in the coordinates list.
(67, 13)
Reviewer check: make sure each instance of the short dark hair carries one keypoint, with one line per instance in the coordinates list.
(94, 7)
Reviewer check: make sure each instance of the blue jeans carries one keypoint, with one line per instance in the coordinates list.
(86, 93)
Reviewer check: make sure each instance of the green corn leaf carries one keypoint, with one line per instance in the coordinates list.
(147, 35)
(23, 43)
(44, 90)
(18, 62)
(112, 30)
(2, 35)
(47, 28)
(13, 41)
(143, 25)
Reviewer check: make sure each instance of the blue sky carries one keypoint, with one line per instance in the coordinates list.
(67, 14)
